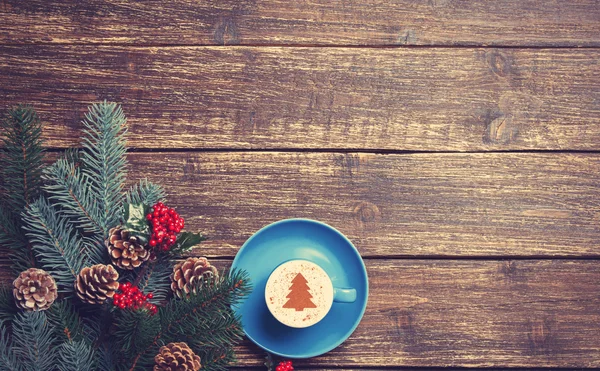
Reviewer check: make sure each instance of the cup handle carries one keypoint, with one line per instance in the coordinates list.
(344, 295)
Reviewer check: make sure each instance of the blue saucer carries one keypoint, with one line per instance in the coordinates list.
(310, 240)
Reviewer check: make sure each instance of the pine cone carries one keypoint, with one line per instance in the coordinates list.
(176, 356)
(97, 283)
(34, 290)
(191, 273)
(125, 251)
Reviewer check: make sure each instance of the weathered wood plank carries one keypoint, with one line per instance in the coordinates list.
(473, 313)
(313, 98)
(500, 204)
(322, 22)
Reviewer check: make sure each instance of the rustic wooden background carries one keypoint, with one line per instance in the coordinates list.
(456, 143)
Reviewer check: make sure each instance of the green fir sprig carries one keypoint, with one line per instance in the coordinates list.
(22, 159)
(22, 163)
(55, 242)
(145, 192)
(104, 160)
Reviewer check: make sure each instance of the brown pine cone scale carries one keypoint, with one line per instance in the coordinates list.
(176, 357)
(125, 250)
(34, 290)
(97, 283)
(190, 274)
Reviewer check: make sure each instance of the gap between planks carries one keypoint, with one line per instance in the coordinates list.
(323, 46)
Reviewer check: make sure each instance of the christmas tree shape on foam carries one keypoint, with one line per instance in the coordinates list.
(299, 295)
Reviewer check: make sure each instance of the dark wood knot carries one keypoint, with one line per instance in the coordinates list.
(366, 212)
(226, 32)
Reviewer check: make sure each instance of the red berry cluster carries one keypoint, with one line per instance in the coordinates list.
(285, 366)
(131, 297)
(166, 223)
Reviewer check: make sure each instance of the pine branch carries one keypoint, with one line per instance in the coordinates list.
(155, 278)
(75, 356)
(215, 331)
(22, 158)
(107, 358)
(135, 330)
(19, 250)
(22, 162)
(60, 250)
(95, 251)
(8, 309)
(65, 319)
(145, 192)
(66, 185)
(8, 357)
(33, 341)
(186, 318)
(216, 359)
(104, 160)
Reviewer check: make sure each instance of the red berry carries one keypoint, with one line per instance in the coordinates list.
(152, 243)
(122, 305)
(150, 295)
(285, 366)
(127, 285)
(149, 216)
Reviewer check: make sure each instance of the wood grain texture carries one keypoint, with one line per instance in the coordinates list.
(474, 314)
(314, 98)
(470, 313)
(427, 205)
(322, 22)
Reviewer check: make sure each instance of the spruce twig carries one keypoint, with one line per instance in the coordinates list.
(22, 161)
(8, 357)
(8, 309)
(145, 192)
(59, 248)
(22, 158)
(104, 162)
(155, 278)
(33, 341)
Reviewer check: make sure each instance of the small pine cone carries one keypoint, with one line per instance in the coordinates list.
(191, 273)
(176, 356)
(125, 251)
(34, 290)
(97, 283)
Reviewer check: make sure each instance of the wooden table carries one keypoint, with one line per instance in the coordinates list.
(454, 142)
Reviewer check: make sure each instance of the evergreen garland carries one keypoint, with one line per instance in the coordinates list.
(59, 219)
